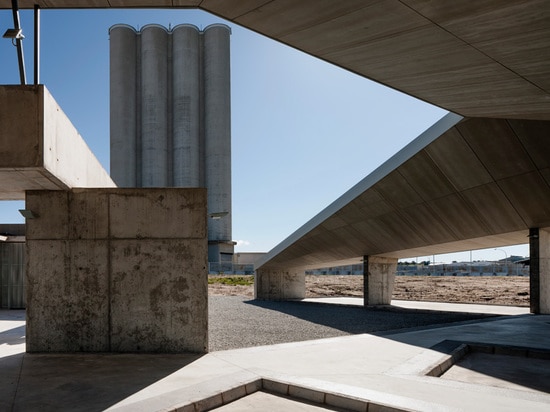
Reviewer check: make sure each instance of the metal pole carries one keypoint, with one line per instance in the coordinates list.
(505, 259)
(36, 44)
(19, 42)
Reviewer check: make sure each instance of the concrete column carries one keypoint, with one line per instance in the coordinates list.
(279, 284)
(217, 128)
(539, 270)
(123, 84)
(186, 105)
(378, 279)
(154, 106)
(117, 270)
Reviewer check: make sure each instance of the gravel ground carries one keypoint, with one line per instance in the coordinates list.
(239, 322)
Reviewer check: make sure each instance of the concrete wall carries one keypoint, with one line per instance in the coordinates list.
(379, 279)
(117, 270)
(279, 284)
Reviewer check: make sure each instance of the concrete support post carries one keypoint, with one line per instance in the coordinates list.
(539, 270)
(279, 284)
(534, 270)
(378, 279)
(117, 270)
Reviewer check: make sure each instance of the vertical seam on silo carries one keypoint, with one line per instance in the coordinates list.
(138, 154)
(202, 143)
(170, 114)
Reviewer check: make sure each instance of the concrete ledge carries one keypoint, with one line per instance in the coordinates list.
(39, 146)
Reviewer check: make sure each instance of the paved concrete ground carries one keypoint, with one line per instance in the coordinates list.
(350, 372)
(432, 306)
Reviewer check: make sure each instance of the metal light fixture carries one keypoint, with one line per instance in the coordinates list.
(28, 214)
(217, 215)
(14, 34)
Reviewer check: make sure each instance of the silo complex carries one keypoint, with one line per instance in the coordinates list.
(170, 116)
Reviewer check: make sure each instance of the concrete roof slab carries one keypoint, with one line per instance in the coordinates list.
(499, 149)
(454, 156)
(389, 217)
(480, 59)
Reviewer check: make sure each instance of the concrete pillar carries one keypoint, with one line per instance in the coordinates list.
(117, 270)
(186, 105)
(378, 279)
(217, 128)
(123, 102)
(155, 163)
(539, 270)
(279, 284)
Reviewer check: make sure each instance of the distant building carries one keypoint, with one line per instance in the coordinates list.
(171, 116)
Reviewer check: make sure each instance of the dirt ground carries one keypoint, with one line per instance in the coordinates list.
(496, 290)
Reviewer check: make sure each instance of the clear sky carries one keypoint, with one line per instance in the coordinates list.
(303, 131)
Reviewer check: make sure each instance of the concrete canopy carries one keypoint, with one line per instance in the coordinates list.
(484, 182)
(478, 59)
(442, 193)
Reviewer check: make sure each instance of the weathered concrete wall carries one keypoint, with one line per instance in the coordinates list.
(279, 284)
(39, 146)
(379, 279)
(117, 270)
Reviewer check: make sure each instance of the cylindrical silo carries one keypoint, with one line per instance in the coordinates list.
(186, 105)
(217, 128)
(123, 61)
(154, 106)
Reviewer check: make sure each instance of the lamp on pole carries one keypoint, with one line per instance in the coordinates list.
(505, 259)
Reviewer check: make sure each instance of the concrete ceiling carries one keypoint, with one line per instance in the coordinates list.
(483, 58)
(485, 181)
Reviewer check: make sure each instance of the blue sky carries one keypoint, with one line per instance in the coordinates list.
(303, 131)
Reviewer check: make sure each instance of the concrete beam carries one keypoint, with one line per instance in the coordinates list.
(378, 279)
(40, 148)
(280, 284)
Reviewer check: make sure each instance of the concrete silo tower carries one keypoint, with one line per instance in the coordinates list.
(171, 116)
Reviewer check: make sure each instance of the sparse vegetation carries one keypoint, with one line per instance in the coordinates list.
(231, 280)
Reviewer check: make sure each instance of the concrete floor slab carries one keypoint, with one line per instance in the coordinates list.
(436, 306)
(365, 368)
(502, 371)
(262, 401)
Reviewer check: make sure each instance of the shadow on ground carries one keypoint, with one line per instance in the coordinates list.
(237, 322)
(355, 320)
(83, 382)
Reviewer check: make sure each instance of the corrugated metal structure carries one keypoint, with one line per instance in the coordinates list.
(170, 115)
(12, 267)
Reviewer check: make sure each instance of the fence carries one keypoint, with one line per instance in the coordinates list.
(12, 275)
(228, 268)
